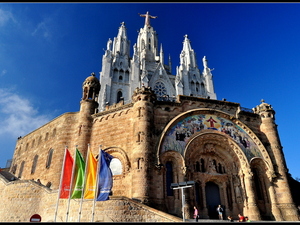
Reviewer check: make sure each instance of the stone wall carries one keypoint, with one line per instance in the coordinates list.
(22, 199)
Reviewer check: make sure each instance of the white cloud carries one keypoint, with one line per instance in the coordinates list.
(5, 17)
(41, 29)
(18, 116)
(3, 72)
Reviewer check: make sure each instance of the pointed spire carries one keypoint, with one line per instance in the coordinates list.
(161, 58)
(187, 56)
(170, 64)
(121, 43)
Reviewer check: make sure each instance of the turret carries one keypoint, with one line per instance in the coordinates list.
(143, 99)
(269, 128)
(90, 92)
(88, 106)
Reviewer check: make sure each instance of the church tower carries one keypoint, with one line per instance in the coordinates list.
(122, 74)
(115, 80)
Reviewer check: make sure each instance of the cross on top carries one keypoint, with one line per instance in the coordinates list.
(147, 18)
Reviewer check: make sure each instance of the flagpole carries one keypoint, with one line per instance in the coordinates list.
(96, 188)
(59, 188)
(71, 184)
(84, 180)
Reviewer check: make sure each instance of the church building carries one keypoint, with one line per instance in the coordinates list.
(164, 129)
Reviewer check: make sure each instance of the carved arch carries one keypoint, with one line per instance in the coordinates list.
(218, 113)
(121, 155)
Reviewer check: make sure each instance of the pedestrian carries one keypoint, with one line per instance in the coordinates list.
(241, 218)
(247, 219)
(230, 219)
(220, 212)
(196, 214)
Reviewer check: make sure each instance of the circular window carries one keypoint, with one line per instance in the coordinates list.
(160, 89)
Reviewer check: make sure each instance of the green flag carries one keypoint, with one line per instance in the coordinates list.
(78, 175)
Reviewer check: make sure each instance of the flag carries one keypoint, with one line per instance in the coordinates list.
(67, 175)
(91, 176)
(78, 175)
(105, 181)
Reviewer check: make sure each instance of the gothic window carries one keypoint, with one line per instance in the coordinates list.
(197, 167)
(160, 89)
(116, 166)
(197, 87)
(120, 78)
(49, 158)
(202, 165)
(202, 89)
(119, 96)
(34, 164)
(169, 178)
(219, 169)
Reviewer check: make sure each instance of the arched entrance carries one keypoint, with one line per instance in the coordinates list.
(213, 199)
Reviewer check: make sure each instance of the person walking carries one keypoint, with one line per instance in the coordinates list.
(196, 214)
(220, 212)
(230, 218)
(247, 219)
(241, 218)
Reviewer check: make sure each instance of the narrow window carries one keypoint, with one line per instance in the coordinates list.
(34, 163)
(169, 178)
(49, 158)
(21, 169)
(119, 96)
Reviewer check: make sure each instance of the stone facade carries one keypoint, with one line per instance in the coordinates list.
(233, 154)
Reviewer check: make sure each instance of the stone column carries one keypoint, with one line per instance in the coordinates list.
(235, 209)
(252, 209)
(205, 211)
(141, 150)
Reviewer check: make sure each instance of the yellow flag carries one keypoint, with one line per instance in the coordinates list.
(91, 173)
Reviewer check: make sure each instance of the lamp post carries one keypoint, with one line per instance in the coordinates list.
(182, 185)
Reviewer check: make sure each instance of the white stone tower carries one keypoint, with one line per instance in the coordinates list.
(122, 74)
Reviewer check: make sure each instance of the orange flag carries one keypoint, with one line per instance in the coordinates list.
(67, 175)
(91, 176)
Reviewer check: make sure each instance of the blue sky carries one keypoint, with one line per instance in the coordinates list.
(48, 49)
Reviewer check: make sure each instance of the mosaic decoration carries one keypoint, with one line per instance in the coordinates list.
(178, 136)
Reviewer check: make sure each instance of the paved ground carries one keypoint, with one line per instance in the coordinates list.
(227, 221)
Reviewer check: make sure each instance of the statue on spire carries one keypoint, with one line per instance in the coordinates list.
(147, 18)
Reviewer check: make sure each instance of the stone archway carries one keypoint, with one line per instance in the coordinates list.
(217, 165)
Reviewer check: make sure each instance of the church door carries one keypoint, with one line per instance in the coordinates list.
(212, 199)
